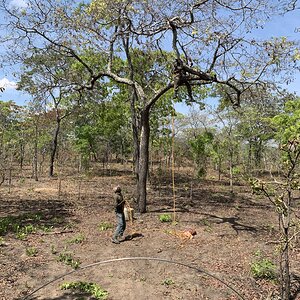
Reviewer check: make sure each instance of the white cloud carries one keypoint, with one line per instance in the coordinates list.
(7, 84)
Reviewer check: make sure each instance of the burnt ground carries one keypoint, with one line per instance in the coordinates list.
(69, 215)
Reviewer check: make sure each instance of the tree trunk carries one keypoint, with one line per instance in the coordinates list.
(285, 267)
(54, 147)
(284, 262)
(143, 162)
(219, 168)
(22, 154)
(136, 145)
(250, 157)
(231, 170)
(35, 155)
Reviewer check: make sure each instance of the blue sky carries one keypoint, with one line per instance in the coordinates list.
(287, 25)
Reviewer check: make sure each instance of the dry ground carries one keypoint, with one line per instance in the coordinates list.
(230, 230)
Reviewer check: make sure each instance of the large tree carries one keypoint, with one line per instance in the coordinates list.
(208, 43)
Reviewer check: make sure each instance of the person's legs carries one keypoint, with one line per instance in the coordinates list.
(121, 225)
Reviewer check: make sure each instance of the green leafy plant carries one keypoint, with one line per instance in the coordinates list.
(53, 249)
(164, 218)
(21, 225)
(23, 231)
(77, 239)
(103, 226)
(31, 251)
(236, 170)
(263, 268)
(7, 223)
(45, 228)
(68, 259)
(87, 287)
(168, 282)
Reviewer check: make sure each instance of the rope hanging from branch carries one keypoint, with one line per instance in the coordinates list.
(173, 168)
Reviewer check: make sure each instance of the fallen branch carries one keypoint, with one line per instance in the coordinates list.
(55, 232)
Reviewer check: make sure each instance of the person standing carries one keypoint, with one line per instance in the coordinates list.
(119, 210)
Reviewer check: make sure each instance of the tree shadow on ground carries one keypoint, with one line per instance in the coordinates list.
(203, 198)
(205, 191)
(111, 172)
(68, 295)
(232, 221)
(188, 180)
(22, 213)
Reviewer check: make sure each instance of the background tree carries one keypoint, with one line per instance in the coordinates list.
(227, 119)
(253, 123)
(200, 147)
(102, 129)
(11, 141)
(44, 77)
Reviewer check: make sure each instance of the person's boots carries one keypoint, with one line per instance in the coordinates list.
(121, 239)
(115, 240)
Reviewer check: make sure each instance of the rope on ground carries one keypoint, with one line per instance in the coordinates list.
(137, 258)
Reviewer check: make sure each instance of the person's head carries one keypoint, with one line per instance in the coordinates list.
(117, 189)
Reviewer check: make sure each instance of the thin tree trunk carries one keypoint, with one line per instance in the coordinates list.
(35, 155)
(284, 264)
(250, 157)
(9, 179)
(231, 171)
(22, 155)
(258, 153)
(219, 168)
(54, 147)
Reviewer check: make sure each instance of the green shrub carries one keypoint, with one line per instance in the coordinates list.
(263, 268)
(236, 170)
(23, 231)
(31, 251)
(168, 282)
(87, 287)
(77, 239)
(105, 226)
(21, 225)
(165, 218)
(68, 259)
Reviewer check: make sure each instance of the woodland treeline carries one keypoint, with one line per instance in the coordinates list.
(233, 142)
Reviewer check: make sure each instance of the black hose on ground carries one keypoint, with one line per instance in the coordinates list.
(137, 258)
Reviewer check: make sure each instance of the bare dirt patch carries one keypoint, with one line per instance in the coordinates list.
(67, 214)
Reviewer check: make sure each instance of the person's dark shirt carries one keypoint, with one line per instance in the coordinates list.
(119, 202)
